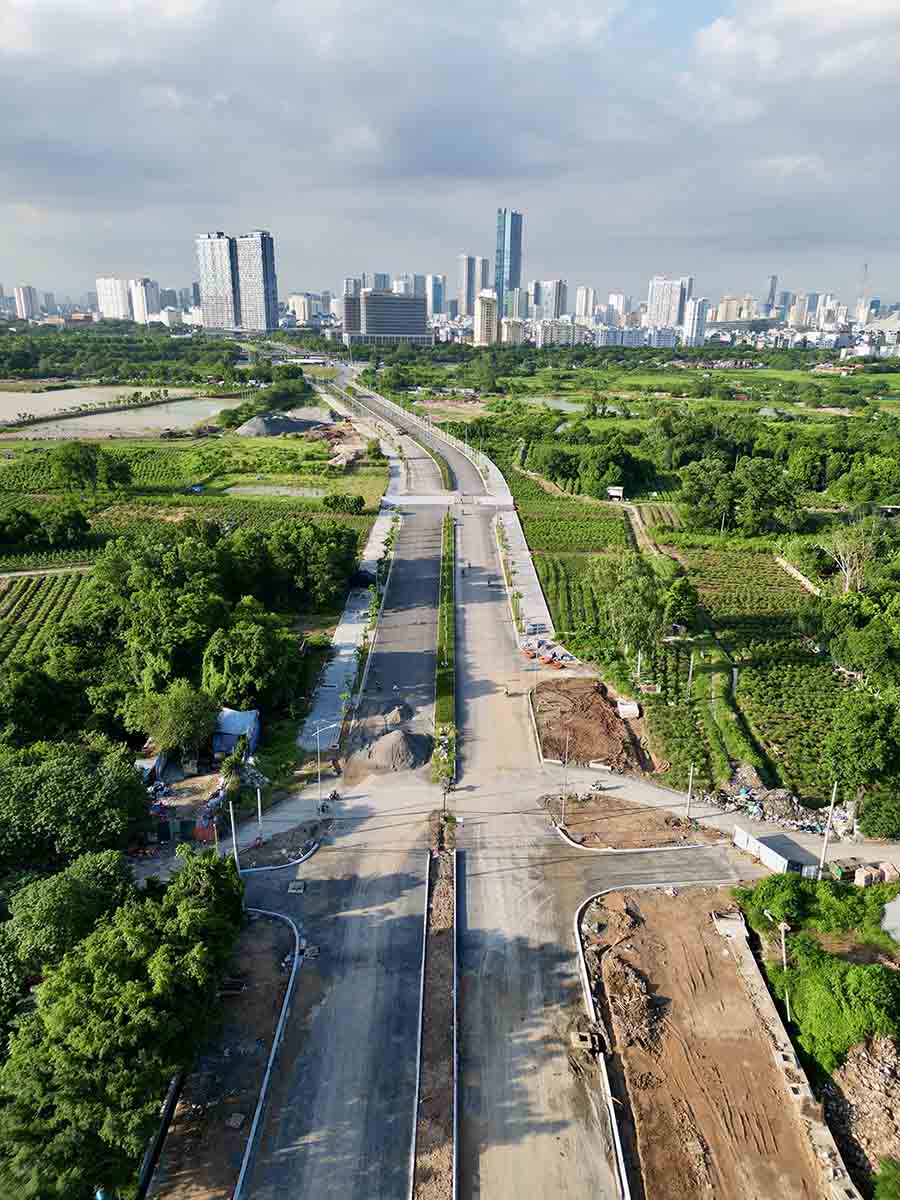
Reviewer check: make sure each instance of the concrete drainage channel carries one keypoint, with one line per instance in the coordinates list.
(434, 1160)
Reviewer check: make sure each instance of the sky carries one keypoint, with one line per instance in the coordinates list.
(727, 141)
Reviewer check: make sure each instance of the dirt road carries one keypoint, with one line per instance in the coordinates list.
(710, 1105)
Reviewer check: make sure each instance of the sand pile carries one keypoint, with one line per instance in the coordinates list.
(397, 751)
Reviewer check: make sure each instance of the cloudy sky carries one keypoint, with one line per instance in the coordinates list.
(730, 141)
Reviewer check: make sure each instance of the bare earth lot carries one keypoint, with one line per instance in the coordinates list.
(205, 1145)
(584, 712)
(608, 821)
(709, 1104)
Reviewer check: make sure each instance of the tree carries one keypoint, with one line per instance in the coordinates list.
(342, 503)
(862, 745)
(73, 465)
(81, 1088)
(767, 500)
(59, 800)
(681, 602)
(853, 548)
(180, 718)
(887, 1181)
(255, 661)
(49, 916)
(708, 493)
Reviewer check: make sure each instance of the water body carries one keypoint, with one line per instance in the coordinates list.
(39, 403)
(179, 414)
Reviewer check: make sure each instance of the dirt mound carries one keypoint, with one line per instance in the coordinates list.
(635, 1015)
(861, 1105)
(581, 711)
(397, 715)
(397, 751)
(298, 420)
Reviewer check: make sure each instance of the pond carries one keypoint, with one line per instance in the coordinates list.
(178, 414)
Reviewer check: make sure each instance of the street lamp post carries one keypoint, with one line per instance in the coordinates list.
(319, 730)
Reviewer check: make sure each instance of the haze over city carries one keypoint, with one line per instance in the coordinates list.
(718, 140)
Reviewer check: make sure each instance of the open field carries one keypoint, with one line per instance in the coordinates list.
(711, 1109)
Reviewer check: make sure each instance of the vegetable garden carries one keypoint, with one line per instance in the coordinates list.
(30, 606)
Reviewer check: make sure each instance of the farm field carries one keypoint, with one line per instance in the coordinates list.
(30, 607)
(561, 525)
(785, 690)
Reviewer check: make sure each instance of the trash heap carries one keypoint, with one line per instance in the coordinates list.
(746, 793)
(861, 1105)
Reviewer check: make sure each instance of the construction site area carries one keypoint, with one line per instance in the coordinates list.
(707, 1104)
(578, 721)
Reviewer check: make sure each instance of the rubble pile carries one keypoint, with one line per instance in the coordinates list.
(634, 1012)
(746, 793)
(861, 1105)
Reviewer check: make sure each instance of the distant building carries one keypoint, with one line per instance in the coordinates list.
(257, 283)
(50, 306)
(352, 285)
(219, 299)
(168, 298)
(508, 260)
(185, 298)
(435, 293)
(512, 331)
(485, 325)
(517, 303)
(554, 301)
(473, 277)
(696, 312)
(171, 316)
(114, 299)
(27, 303)
(145, 299)
(585, 301)
(666, 299)
(386, 318)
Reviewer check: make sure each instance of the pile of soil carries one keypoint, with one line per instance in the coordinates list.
(635, 1014)
(582, 711)
(298, 420)
(397, 750)
(862, 1108)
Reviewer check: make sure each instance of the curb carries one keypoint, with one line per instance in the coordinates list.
(534, 730)
(415, 1118)
(634, 849)
(455, 1026)
(295, 862)
(273, 1053)
(384, 595)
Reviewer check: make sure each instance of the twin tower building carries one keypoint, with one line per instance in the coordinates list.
(238, 287)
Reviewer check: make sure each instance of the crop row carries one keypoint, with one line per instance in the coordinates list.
(30, 607)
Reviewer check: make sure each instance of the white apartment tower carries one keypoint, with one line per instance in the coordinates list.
(585, 301)
(114, 299)
(485, 327)
(696, 312)
(27, 305)
(257, 284)
(144, 295)
(217, 262)
(665, 301)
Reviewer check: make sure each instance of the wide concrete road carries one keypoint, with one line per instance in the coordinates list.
(340, 1118)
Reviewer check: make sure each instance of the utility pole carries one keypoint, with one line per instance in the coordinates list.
(237, 861)
(565, 781)
(785, 928)
(259, 808)
(690, 676)
(827, 830)
(690, 791)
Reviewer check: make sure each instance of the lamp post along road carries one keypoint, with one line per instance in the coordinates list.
(319, 730)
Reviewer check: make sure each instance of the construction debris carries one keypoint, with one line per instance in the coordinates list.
(861, 1106)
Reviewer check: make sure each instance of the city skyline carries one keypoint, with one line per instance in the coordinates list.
(712, 146)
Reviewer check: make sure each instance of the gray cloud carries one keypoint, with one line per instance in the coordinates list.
(383, 137)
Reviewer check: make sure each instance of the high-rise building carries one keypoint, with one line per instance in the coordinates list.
(352, 285)
(508, 260)
(258, 286)
(620, 304)
(114, 299)
(554, 298)
(585, 301)
(168, 298)
(517, 303)
(452, 309)
(186, 298)
(474, 276)
(435, 293)
(773, 290)
(535, 298)
(696, 311)
(351, 316)
(485, 323)
(219, 296)
(145, 299)
(666, 299)
(195, 293)
(27, 303)
(50, 305)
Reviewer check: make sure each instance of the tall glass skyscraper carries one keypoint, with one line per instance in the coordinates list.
(508, 262)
